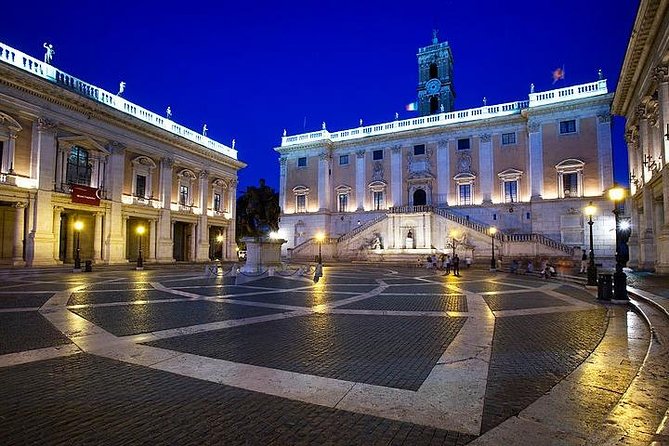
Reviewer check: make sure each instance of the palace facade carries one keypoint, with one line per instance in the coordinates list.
(643, 99)
(82, 168)
(440, 181)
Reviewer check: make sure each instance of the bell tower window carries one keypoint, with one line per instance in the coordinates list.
(434, 105)
(434, 71)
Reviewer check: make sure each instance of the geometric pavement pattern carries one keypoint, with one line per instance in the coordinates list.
(366, 355)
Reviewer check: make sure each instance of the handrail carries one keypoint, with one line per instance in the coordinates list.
(357, 230)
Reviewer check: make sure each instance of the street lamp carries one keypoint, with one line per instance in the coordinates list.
(140, 261)
(78, 226)
(493, 231)
(319, 238)
(592, 268)
(617, 194)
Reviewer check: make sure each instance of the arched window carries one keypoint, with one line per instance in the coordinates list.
(510, 184)
(570, 178)
(79, 167)
(343, 193)
(434, 105)
(434, 71)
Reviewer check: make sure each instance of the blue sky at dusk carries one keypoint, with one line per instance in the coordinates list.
(250, 69)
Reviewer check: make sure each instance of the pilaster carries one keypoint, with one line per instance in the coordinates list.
(97, 238)
(443, 172)
(604, 151)
(536, 167)
(202, 248)
(283, 162)
(360, 179)
(19, 234)
(396, 175)
(486, 167)
(324, 181)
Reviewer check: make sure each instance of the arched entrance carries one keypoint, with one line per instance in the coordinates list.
(419, 198)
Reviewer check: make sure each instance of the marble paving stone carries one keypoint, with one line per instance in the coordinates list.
(498, 302)
(130, 295)
(411, 303)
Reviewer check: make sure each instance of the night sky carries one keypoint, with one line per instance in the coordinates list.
(250, 69)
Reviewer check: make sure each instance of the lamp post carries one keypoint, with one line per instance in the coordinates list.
(140, 261)
(493, 265)
(319, 238)
(592, 268)
(617, 194)
(78, 226)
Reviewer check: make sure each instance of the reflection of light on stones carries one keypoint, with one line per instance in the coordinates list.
(318, 295)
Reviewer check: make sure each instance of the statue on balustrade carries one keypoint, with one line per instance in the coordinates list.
(48, 55)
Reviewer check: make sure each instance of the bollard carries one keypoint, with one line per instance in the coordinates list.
(89, 266)
(605, 287)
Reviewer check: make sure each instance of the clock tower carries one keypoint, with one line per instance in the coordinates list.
(435, 78)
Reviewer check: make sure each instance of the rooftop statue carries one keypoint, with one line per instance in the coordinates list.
(168, 112)
(48, 55)
(121, 88)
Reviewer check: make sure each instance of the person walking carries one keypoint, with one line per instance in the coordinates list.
(448, 264)
(318, 271)
(456, 265)
(584, 262)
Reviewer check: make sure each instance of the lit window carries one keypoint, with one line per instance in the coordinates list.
(511, 191)
(568, 126)
(508, 138)
(463, 144)
(301, 203)
(377, 155)
(343, 202)
(343, 160)
(183, 195)
(79, 167)
(465, 193)
(419, 149)
(302, 161)
(378, 200)
(570, 184)
(570, 178)
(140, 186)
(217, 202)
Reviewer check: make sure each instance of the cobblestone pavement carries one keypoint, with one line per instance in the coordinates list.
(367, 355)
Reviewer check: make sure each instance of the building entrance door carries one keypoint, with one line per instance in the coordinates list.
(181, 238)
(419, 198)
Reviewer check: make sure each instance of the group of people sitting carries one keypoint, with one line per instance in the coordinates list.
(546, 270)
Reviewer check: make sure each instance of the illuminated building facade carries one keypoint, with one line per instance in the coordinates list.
(643, 99)
(527, 167)
(72, 152)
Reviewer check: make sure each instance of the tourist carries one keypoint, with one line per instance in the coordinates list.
(448, 264)
(318, 272)
(456, 265)
(584, 262)
(530, 267)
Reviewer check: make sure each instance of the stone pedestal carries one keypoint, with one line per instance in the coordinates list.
(261, 253)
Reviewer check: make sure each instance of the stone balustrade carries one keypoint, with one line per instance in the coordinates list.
(46, 71)
(459, 116)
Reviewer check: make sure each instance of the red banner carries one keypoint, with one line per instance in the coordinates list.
(85, 195)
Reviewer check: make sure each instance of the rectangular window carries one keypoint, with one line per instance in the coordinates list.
(463, 144)
(511, 191)
(508, 138)
(568, 126)
(419, 149)
(570, 184)
(343, 202)
(301, 203)
(377, 155)
(217, 202)
(465, 192)
(302, 161)
(343, 160)
(140, 186)
(183, 195)
(378, 201)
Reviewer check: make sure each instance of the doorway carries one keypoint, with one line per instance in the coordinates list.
(419, 198)
(182, 240)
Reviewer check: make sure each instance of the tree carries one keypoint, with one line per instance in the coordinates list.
(257, 211)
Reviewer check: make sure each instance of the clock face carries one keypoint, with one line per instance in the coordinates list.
(432, 86)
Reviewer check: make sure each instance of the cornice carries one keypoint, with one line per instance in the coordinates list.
(59, 96)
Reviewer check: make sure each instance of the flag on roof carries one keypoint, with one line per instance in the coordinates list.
(412, 106)
(558, 74)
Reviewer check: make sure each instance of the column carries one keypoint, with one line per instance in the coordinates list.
(604, 151)
(39, 240)
(644, 143)
(202, 247)
(59, 170)
(230, 238)
(69, 239)
(19, 234)
(396, 175)
(324, 181)
(97, 238)
(283, 162)
(124, 231)
(164, 232)
(115, 246)
(192, 255)
(661, 76)
(56, 232)
(485, 167)
(152, 240)
(443, 172)
(8, 161)
(536, 168)
(360, 179)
